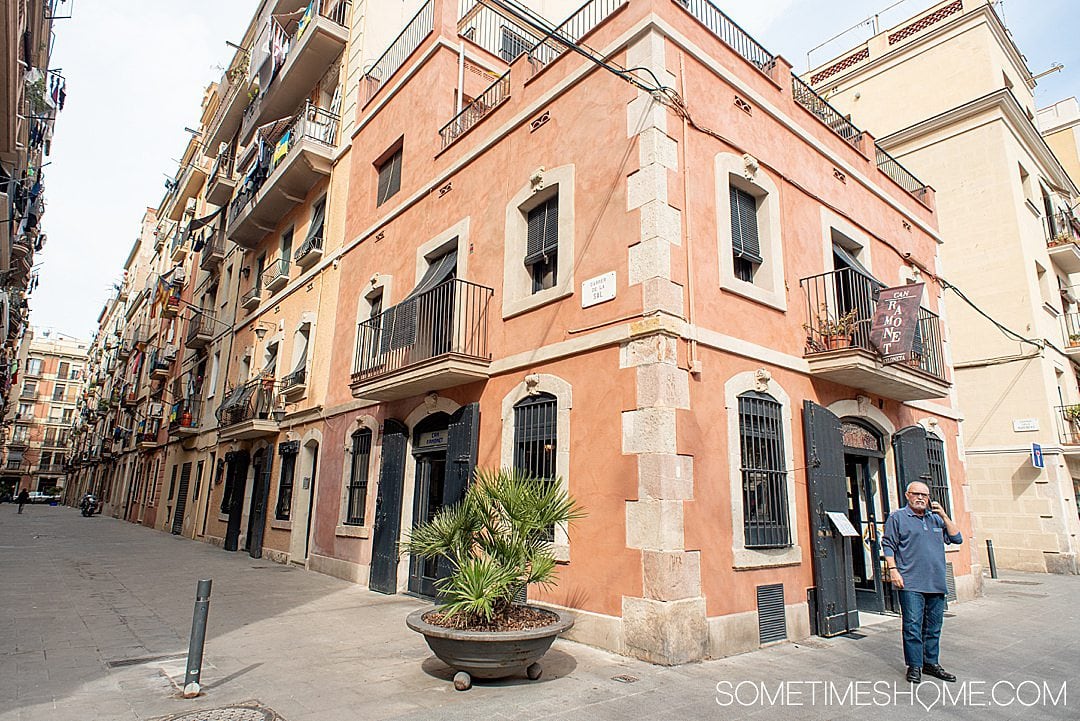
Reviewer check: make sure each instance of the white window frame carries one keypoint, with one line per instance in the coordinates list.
(518, 295)
(768, 285)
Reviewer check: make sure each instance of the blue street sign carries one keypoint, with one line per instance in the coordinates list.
(1037, 456)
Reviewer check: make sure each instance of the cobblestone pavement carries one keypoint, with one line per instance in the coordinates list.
(97, 614)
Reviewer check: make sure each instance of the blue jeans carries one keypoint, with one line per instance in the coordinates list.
(923, 613)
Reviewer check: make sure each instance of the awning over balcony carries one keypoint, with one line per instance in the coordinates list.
(399, 326)
(852, 262)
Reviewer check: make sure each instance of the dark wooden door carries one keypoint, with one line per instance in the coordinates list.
(912, 459)
(235, 487)
(826, 484)
(181, 499)
(311, 498)
(260, 494)
(462, 442)
(384, 543)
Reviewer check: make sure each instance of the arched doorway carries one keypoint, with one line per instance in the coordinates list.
(868, 509)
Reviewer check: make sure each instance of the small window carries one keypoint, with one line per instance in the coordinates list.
(535, 438)
(512, 44)
(764, 472)
(939, 481)
(358, 477)
(58, 392)
(33, 366)
(63, 370)
(542, 246)
(745, 245)
(285, 487)
(389, 177)
(286, 245)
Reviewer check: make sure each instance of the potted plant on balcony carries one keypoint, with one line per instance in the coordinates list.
(831, 333)
(496, 542)
(1074, 340)
(1071, 414)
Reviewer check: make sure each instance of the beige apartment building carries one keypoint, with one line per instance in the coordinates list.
(951, 97)
(1060, 125)
(51, 378)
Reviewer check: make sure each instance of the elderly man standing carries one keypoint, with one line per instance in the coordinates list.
(914, 544)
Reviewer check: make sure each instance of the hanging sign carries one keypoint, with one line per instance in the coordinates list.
(892, 330)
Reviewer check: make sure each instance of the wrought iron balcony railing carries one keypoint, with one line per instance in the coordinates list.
(729, 32)
(185, 414)
(422, 24)
(903, 177)
(254, 400)
(840, 309)
(449, 319)
(474, 112)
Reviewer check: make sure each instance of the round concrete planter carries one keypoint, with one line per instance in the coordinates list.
(489, 654)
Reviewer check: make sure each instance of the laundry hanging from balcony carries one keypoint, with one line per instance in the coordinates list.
(399, 322)
(198, 224)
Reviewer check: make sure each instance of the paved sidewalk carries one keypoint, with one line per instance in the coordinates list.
(97, 614)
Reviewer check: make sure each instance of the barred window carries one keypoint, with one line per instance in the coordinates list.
(939, 481)
(764, 474)
(535, 438)
(358, 477)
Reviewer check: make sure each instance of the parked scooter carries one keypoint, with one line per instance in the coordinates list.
(89, 505)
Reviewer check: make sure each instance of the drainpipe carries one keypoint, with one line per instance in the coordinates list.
(695, 362)
(460, 77)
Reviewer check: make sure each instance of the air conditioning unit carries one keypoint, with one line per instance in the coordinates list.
(156, 409)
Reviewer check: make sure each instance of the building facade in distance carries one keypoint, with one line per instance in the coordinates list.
(1005, 205)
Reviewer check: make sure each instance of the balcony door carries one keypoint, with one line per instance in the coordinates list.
(421, 326)
(235, 488)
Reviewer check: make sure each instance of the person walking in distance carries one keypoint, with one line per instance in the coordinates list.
(22, 499)
(914, 546)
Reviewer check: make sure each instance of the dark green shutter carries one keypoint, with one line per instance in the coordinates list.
(744, 226)
(387, 527)
(912, 457)
(543, 235)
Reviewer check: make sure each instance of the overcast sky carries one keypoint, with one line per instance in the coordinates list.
(136, 72)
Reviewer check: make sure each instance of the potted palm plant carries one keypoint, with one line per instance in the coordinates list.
(496, 542)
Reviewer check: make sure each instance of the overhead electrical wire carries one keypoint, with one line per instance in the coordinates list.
(670, 97)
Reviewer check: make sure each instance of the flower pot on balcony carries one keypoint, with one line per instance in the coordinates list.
(837, 342)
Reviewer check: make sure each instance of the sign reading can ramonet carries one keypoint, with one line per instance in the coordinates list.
(892, 330)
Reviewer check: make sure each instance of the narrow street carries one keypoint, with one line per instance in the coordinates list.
(97, 614)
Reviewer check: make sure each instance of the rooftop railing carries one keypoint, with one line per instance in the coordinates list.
(728, 31)
(892, 167)
(422, 24)
(471, 114)
(807, 97)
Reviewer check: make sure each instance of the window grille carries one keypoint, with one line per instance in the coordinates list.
(389, 178)
(939, 482)
(358, 477)
(745, 246)
(535, 438)
(285, 487)
(764, 474)
(542, 246)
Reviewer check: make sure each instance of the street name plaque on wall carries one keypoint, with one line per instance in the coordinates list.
(598, 290)
(892, 330)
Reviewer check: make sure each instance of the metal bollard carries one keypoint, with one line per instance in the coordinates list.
(198, 639)
(990, 556)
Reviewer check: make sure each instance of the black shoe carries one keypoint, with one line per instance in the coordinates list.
(914, 675)
(935, 670)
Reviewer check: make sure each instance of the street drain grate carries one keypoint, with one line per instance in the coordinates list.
(625, 678)
(249, 711)
(1024, 583)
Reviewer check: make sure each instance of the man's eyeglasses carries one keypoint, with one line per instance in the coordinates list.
(918, 495)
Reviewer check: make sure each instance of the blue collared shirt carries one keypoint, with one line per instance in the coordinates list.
(918, 545)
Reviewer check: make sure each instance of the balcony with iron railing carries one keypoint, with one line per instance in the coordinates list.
(250, 299)
(12, 465)
(434, 340)
(200, 328)
(51, 468)
(301, 156)
(145, 440)
(311, 45)
(294, 385)
(248, 410)
(840, 308)
(494, 96)
(276, 275)
(221, 183)
(28, 394)
(1068, 427)
(18, 441)
(1062, 230)
(179, 244)
(1070, 331)
(309, 253)
(185, 417)
(213, 251)
(160, 364)
(189, 180)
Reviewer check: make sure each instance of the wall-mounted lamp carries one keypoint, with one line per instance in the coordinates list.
(278, 414)
(260, 330)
